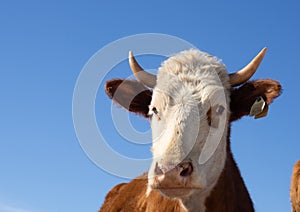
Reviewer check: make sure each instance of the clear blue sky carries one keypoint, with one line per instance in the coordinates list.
(45, 44)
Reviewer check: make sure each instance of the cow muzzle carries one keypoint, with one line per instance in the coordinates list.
(174, 182)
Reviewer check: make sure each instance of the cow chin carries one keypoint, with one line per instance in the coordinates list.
(176, 192)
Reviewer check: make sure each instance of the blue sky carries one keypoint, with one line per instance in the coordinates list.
(45, 44)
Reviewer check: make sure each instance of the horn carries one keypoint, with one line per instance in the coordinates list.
(247, 72)
(143, 76)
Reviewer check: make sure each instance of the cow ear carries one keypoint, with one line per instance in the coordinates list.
(244, 97)
(130, 94)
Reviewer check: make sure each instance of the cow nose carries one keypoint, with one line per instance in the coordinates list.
(158, 170)
(186, 169)
(182, 170)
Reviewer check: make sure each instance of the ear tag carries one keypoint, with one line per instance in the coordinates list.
(264, 113)
(257, 107)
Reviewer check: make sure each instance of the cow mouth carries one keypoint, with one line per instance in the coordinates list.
(176, 191)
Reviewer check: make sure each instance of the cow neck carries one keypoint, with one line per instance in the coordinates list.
(228, 194)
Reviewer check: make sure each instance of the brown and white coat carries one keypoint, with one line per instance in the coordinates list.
(193, 100)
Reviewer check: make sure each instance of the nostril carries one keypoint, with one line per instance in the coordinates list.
(158, 170)
(187, 169)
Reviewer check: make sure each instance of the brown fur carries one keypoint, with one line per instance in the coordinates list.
(229, 194)
(295, 188)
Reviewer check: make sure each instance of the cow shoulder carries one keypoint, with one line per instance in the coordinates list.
(124, 197)
(132, 197)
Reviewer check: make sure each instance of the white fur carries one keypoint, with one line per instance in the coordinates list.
(188, 84)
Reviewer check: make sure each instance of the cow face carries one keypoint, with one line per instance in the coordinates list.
(190, 110)
(189, 114)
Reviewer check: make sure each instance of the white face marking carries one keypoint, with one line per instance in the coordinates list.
(191, 87)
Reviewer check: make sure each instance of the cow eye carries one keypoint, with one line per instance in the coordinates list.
(155, 111)
(220, 109)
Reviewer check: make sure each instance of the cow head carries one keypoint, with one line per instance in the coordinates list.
(190, 106)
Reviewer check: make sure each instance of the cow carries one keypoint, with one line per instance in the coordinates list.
(190, 104)
(295, 188)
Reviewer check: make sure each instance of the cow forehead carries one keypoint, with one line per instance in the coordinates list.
(190, 75)
(191, 63)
